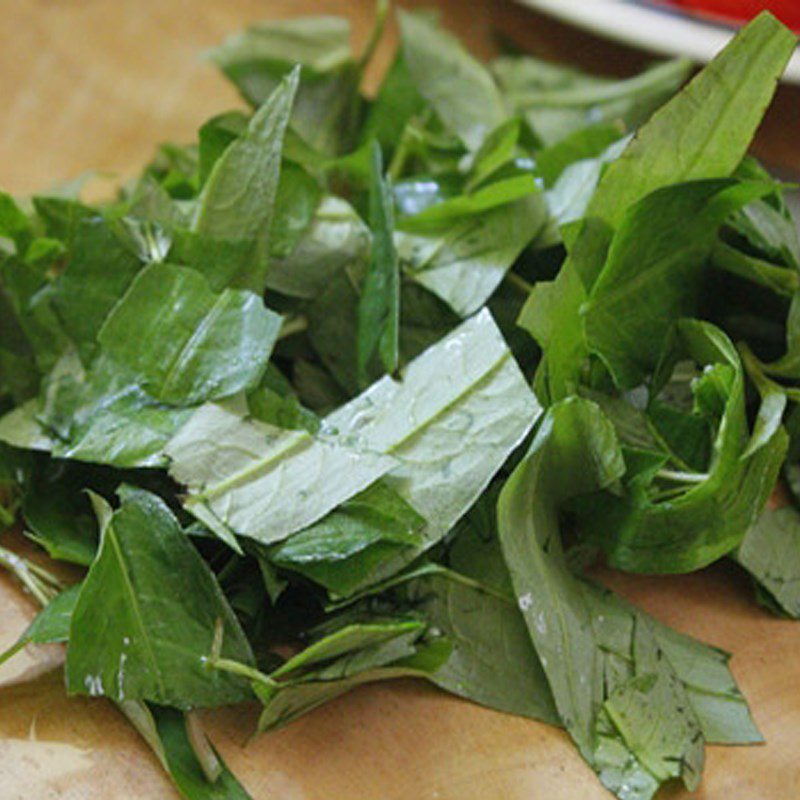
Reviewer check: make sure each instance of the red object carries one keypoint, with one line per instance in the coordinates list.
(742, 10)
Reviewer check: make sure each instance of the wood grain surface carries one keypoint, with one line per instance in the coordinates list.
(94, 84)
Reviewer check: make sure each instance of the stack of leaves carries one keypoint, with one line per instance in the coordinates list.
(352, 389)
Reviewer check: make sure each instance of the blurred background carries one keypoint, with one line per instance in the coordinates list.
(95, 84)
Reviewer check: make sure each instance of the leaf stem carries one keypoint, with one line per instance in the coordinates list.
(401, 153)
(38, 581)
(682, 477)
(237, 668)
(518, 282)
(293, 325)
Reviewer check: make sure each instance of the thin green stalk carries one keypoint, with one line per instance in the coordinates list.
(401, 154)
(38, 581)
(293, 325)
(518, 282)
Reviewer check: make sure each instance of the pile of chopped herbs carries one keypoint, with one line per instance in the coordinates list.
(353, 389)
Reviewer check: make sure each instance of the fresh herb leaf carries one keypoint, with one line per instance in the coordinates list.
(379, 305)
(194, 345)
(460, 89)
(147, 612)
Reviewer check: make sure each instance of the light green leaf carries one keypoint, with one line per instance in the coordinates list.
(466, 262)
(348, 657)
(460, 89)
(336, 239)
(558, 101)
(466, 389)
(438, 216)
(770, 552)
(253, 479)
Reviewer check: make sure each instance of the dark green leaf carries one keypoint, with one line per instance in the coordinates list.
(238, 201)
(192, 345)
(146, 615)
(379, 304)
(344, 548)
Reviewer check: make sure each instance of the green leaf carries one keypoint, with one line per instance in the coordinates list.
(193, 345)
(466, 261)
(14, 224)
(480, 624)
(215, 136)
(379, 305)
(621, 702)
(103, 262)
(184, 766)
(297, 200)
(31, 328)
(773, 403)
(585, 144)
(58, 517)
(341, 660)
(275, 403)
(498, 150)
(571, 194)
(146, 614)
(439, 215)
(782, 280)
(558, 101)
(251, 479)
(174, 740)
(337, 238)
(658, 257)
(327, 105)
(704, 132)
(770, 552)
(61, 216)
(396, 103)
(102, 416)
(704, 516)
(710, 686)
(342, 550)
(238, 201)
(460, 89)
(51, 624)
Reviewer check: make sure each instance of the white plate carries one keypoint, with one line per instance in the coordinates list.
(659, 29)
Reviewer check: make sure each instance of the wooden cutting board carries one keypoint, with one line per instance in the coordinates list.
(93, 84)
